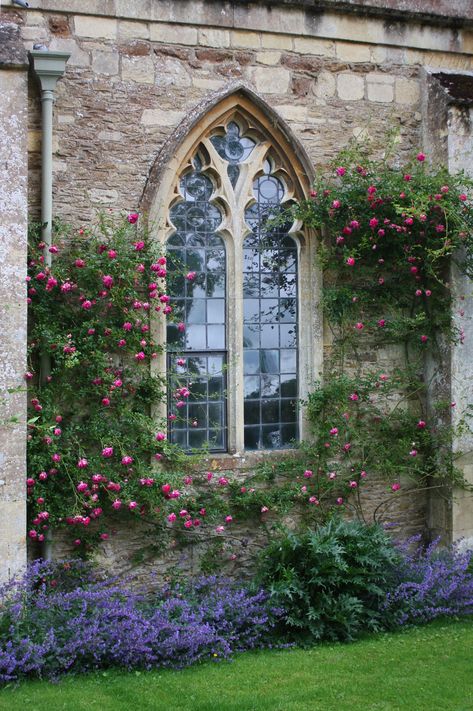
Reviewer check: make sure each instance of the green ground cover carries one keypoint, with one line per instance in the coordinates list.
(426, 668)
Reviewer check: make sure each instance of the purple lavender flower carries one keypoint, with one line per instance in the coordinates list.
(61, 618)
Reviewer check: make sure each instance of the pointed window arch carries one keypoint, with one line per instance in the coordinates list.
(237, 358)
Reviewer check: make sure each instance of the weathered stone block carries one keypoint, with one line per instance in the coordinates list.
(135, 48)
(325, 86)
(171, 72)
(313, 45)
(213, 55)
(379, 54)
(110, 136)
(34, 34)
(380, 92)
(59, 25)
(303, 64)
(214, 38)
(78, 57)
(174, 34)
(35, 18)
(407, 91)
(249, 40)
(379, 78)
(273, 41)
(65, 118)
(95, 27)
(161, 117)
(293, 112)
(132, 30)
(105, 62)
(34, 141)
(351, 52)
(207, 83)
(269, 58)
(350, 87)
(138, 69)
(301, 85)
(274, 80)
(12, 51)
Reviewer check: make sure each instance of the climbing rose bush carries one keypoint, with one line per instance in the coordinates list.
(91, 437)
(96, 450)
(390, 234)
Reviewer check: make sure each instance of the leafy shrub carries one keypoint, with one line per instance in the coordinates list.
(49, 627)
(331, 581)
(431, 582)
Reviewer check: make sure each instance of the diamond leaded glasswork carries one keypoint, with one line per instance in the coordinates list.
(197, 261)
(263, 291)
(269, 323)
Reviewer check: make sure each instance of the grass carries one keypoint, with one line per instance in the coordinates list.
(427, 668)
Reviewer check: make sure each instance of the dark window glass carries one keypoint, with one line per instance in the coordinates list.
(196, 334)
(196, 400)
(270, 322)
(197, 275)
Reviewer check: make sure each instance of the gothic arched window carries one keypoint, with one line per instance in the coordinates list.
(234, 340)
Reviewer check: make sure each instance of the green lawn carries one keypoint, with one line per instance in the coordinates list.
(428, 668)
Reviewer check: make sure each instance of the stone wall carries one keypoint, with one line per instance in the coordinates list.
(133, 77)
(137, 548)
(138, 70)
(13, 237)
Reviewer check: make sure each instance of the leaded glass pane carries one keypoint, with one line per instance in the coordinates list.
(196, 400)
(233, 147)
(270, 318)
(196, 284)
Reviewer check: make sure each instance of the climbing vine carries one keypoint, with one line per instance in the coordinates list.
(389, 237)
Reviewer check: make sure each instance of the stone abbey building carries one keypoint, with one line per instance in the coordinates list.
(263, 88)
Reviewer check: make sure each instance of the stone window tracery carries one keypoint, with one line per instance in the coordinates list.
(233, 342)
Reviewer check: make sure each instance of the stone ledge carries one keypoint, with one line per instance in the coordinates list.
(12, 52)
(444, 14)
(302, 26)
(452, 12)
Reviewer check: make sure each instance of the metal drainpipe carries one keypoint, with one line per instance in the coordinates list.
(48, 67)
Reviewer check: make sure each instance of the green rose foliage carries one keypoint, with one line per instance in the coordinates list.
(389, 236)
(391, 239)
